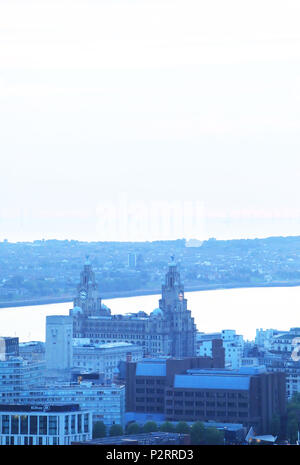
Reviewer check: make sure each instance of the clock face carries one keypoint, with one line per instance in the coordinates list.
(82, 295)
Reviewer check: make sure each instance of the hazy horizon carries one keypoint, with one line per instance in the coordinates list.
(146, 120)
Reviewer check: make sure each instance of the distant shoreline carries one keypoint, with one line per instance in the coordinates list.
(138, 293)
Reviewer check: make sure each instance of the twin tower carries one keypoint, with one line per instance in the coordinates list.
(168, 331)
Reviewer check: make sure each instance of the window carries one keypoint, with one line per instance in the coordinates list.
(33, 424)
(199, 403)
(15, 424)
(210, 404)
(53, 424)
(79, 427)
(5, 424)
(24, 424)
(178, 412)
(43, 424)
(67, 424)
(243, 405)
(178, 402)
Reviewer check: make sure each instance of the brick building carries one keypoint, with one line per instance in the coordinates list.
(192, 389)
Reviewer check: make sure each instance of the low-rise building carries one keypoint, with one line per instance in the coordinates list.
(106, 402)
(17, 373)
(32, 424)
(233, 346)
(9, 346)
(183, 392)
(103, 358)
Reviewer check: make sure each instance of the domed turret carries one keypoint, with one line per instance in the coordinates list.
(157, 312)
(76, 310)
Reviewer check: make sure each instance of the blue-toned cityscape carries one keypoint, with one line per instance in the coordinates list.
(147, 378)
(149, 227)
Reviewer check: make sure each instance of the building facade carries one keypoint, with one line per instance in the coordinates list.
(44, 425)
(168, 330)
(233, 345)
(105, 402)
(9, 346)
(58, 347)
(182, 391)
(17, 374)
(104, 358)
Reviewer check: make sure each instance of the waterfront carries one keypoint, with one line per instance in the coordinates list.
(243, 309)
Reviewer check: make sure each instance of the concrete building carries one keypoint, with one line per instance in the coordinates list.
(9, 346)
(105, 402)
(250, 396)
(146, 380)
(285, 343)
(233, 345)
(44, 425)
(264, 338)
(17, 374)
(234, 348)
(58, 347)
(103, 358)
(168, 330)
(33, 351)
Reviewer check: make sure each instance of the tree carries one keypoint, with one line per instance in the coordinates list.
(292, 430)
(150, 426)
(116, 430)
(197, 433)
(275, 425)
(99, 430)
(293, 417)
(167, 427)
(182, 427)
(133, 428)
(212, 436)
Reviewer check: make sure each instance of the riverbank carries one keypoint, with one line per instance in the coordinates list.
(141, 292)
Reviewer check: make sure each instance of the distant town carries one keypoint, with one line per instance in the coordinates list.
(47, 270)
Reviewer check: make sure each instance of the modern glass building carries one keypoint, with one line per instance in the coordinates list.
(30, 424)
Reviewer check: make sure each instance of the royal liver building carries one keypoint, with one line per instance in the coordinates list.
(168, 330)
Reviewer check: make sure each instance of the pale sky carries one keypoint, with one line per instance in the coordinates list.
(158, 104)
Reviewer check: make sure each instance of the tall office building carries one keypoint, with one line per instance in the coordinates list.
(59, 351)
(168, 330)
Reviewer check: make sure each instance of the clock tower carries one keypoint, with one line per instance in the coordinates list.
(88, 298)
(173, 304)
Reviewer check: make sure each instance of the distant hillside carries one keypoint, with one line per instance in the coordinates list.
(49, 269)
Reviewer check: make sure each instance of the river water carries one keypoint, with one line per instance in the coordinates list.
(244, 310)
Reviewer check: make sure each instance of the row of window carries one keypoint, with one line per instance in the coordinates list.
(150, 381)
(207, 414)
(42, 424)
(229, 395)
